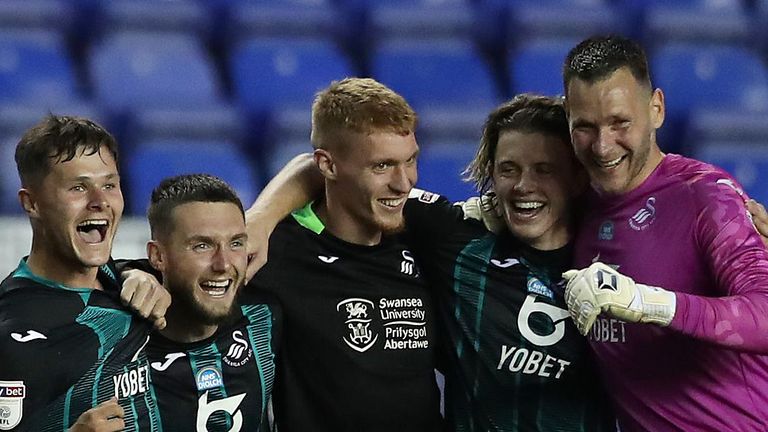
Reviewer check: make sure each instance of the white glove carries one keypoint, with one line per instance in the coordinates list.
(483, 208)
(599, 288)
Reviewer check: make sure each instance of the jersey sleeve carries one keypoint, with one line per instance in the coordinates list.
(735, 316)
(430, 217)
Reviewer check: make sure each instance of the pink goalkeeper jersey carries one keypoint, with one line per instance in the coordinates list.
(685, 229)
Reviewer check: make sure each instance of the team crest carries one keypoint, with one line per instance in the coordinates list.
(360, 337)
(12, 395)
(644, 217)
(239, 352)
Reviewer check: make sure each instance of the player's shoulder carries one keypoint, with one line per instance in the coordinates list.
(705, 181)
(426, 197)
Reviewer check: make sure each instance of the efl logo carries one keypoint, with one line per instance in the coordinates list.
(12, 395)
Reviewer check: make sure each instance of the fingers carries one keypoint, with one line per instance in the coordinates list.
(255, 262)
(146, 296)
(760, 218)
(570, 274)
(105, 417)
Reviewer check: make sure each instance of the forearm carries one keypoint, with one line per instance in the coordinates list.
(296, 184)
(739, 322)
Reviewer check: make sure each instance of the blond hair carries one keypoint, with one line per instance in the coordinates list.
(358, 105)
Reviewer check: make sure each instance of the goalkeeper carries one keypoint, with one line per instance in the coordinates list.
(689, 350)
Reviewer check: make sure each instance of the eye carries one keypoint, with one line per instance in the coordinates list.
(110, 186)
(237, 244)
(545, 169)
(201, 247)
(78, 188)
(381, 166)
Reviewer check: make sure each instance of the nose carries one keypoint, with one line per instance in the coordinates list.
(603, 143)
(403, 178)
(525, 182)
(222, 260)
(98, 199)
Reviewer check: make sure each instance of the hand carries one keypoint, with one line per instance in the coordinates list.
(599, 288)
(104, 417)
(258, 243)
(484, 208)
(146, 296)
(760, 218)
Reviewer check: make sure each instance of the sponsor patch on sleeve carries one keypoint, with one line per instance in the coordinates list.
(424, 196)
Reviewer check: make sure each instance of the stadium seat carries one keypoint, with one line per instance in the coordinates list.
(720, 125)
(439, 124)
(9, 178)
(746, 161)
(700, 22)
(421, 20)
(436, 73)
(536, 66)
(155, 160)
(36, 14)
(562, 19)
(204, 123)
(270, 73)
(284, 18)
(150, 15)
(440, 167)
(16, 118)
(136, 69)
(704, 76)
(287, 134)
(35, 66)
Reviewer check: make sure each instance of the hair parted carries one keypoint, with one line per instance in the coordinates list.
(527, 113)
(58, 139)
(175, 191)
(360, 105)
(598, 57)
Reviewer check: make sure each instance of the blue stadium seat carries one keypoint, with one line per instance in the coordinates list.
(36, 14)
(704, 76)
(746, 161)
(720, 125)
(270, 73)
(436, 73)
(287, 134)
(700, 22)
(440, 124)
(16, 118)
(284, 18)
(145, 69)
(421, 20)
(283, 151)
(35, 66)
(204, 123)
(150, 15)
(9, 178)
(562, 19)
(155, 160)
(440, 167)
(536, 66)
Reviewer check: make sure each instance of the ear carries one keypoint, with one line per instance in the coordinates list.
(656, 108)
(28, 202)
(155, 255)
(325, 163)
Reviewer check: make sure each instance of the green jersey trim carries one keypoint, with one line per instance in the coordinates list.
(307, 218)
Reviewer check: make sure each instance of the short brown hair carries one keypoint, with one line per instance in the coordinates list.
(360, 105)
(58, 139)
(527, 112)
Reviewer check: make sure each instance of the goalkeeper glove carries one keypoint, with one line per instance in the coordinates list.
(484, 208)
(599, 288)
